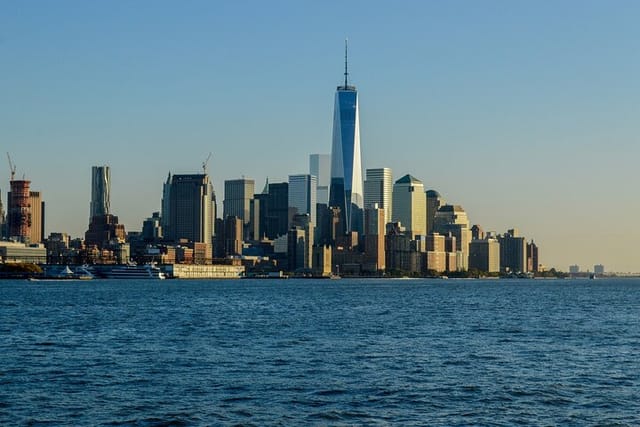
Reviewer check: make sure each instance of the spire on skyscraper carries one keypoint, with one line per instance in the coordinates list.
(346, 70)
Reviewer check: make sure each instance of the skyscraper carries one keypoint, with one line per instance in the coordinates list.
(345, 189)
(434, 201)
(277, 221)
(19, 218)
(409, 205)
(188, 208)
(320, 167)
(36, 233)
(302, 195)
(378, 189)
(237, 201)
(100, 191)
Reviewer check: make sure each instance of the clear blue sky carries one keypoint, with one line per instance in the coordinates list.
(524, 113)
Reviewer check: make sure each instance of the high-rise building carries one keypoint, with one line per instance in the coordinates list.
(434, 202)
(452, 220)
(277, 207)
(237, 201)
(346, 190)
(100, 191)
(152, 228)
(374, 237)
(533, 261)
(36, 233)
(409, 205)
(300, 249)
(302, 195)
(188, 208)
(513, 252)
(378, 189)
(320, 167)
(484, 255)
(19, 218)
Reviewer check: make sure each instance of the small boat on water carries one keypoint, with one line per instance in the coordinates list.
(134, 271)
(66, 273)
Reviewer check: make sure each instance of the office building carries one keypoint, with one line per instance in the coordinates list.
(276, 210)
(152, 228)
(237, 201)
(409, 205)
(302, 195)
(346, 190)
(188, 208)
(100, 191)
(434, 202)
(598, 269)
(36, 232)
(320, 167)
(533, 261)
(374, 236)
(513, 252)
(378, 189)
(105, 231)
(436, 253)
(484, 255)
(300, 243)
(452, 220)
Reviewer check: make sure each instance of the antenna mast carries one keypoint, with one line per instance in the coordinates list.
(346, 72)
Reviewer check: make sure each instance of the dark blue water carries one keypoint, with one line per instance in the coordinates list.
(326, 352)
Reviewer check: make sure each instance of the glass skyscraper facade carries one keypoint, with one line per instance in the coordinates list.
(100, 191)
(346, 188)
(188, 208)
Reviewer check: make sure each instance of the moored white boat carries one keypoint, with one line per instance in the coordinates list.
(133, 271)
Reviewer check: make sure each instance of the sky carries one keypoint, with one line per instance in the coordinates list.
(524, 113)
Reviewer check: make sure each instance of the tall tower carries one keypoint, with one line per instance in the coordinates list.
(19, 210)
(100, 191)
(302, 195)
(346, 190)
(36, 234)
(378, 189)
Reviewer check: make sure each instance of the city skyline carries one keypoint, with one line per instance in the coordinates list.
(535, 125)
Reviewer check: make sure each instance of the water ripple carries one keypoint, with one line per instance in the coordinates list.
(347, 352)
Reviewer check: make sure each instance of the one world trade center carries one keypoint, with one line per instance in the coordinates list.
(346, 190)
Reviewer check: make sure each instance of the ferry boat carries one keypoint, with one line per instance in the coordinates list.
(134, 271)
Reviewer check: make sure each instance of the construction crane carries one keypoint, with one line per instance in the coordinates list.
(12, 167)
(205, 163)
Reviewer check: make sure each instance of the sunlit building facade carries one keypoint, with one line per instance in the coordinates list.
(346, 188)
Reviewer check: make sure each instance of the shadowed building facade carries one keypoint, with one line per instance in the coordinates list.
(188, 208)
